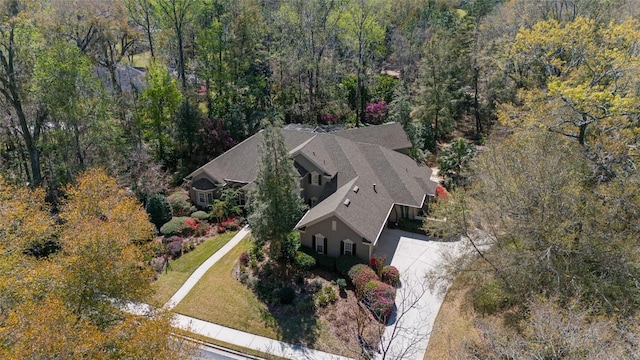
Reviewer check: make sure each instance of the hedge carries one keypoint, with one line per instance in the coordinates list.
(177, 226)
(304, 261)
(324, 261)
(344, 263)
(200, 215)
(380, 299)
(390, 275)
(360, 275)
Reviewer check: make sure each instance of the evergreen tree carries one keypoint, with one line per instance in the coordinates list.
(159, 210)
(275, 204)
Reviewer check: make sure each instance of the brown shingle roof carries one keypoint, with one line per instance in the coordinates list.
(390, 135)
(361, 161)
(398, 179)
(240, 163)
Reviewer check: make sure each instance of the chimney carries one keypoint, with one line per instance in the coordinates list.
(374, 188)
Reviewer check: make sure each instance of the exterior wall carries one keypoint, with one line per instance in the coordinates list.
(310, 190)
(334, 238)
(397, 213)
(193, 195)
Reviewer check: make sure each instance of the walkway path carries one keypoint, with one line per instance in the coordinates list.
(202, 269)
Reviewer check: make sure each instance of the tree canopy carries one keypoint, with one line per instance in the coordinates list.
(60, 305)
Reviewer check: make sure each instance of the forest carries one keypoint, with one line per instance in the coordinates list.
(529, 108)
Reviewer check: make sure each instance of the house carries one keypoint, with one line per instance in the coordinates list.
(355, 181)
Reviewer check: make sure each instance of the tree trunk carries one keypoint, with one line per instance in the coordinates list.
(476, 111)
(181, 70)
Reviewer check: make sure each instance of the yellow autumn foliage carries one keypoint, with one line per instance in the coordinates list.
(61, 306)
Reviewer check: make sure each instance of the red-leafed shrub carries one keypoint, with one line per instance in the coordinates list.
(230, 223)
(192, 222)
(379, 298)
(390, 275)
(360, 275)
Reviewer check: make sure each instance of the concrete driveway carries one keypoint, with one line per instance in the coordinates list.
(407, 333)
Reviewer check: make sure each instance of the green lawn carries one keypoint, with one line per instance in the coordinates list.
(169, 282)
(221, 299)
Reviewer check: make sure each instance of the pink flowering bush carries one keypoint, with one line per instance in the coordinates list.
(379, 298)
(376, 113)
(328, 119)
(390, 275)
(360, 275)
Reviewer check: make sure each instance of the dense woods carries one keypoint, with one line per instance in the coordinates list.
(149, 90)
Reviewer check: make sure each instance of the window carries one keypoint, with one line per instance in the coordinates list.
(205, 198)
(347, 247)
(315, 178)
(242, 199)
(334, 225)
(320, 240)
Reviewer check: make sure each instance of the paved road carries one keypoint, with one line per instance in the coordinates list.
(208, 353)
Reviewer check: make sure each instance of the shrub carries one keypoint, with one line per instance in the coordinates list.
(304, 261)
(320, 299)
(324, 261)
(180, 203)
(344, 263)
(187, 246)
(375, 113)
(286, 295)
(176, 226)
(159, 210)
(489, 297)
(379, 260)
(200, 215)
(256, 252)
(316, 286)
(230, 223)
(360, 275)
(289, 245)
(244, 258)
(325, 296)
(390, 275)
(376, 288)
(174, 247)
(342, 283)
(411, 225)
(380, 300)
(330, 293)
